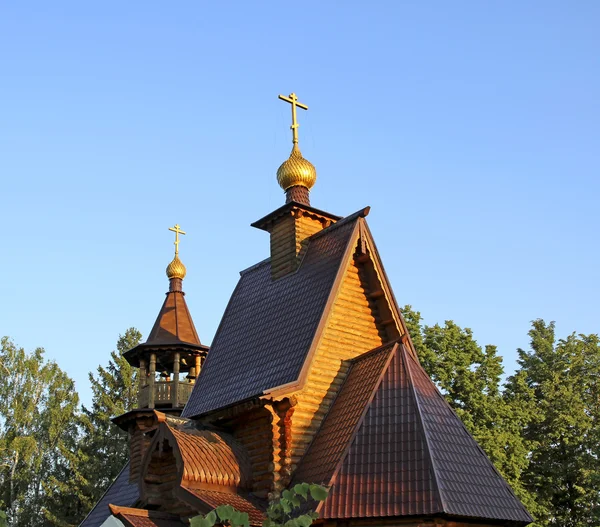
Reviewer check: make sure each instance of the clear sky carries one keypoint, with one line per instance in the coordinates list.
(471, 128)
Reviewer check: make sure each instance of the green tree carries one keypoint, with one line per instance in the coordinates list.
(38, 416)
(67, 498)
(561, 380)
(114, 390)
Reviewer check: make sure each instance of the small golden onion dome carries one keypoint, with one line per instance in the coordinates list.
(176, 269)
(296, 171)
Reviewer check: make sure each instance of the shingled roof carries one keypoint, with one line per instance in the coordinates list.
(173, 330)
(121, 492)
(243, 502)
(208, 457)
(268, 327)
(392, 446)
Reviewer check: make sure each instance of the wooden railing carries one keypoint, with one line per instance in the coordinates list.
(164, 394)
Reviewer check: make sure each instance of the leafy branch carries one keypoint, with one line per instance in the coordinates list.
(283, 512)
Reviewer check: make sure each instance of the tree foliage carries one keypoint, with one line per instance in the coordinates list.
(115, 390)
(541, 429)
(285, 511)
(560, 381)
(38, 422)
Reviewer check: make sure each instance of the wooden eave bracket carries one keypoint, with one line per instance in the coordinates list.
(123, 421)
(295, 208)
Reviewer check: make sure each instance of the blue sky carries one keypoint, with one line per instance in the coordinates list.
(471, 128)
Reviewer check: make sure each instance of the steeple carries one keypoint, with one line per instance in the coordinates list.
(172, 348)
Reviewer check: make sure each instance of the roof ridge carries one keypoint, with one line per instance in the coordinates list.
(352, 362)
(364, 412)
(433, 467)
(176, 317)
(479, 448)
(373, 351)
(186, 309)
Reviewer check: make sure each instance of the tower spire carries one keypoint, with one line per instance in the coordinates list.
(296, 176)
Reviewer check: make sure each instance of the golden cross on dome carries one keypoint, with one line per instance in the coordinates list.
(293, 100)
(177, 230)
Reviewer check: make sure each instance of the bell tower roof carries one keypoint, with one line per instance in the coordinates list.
(174, 328)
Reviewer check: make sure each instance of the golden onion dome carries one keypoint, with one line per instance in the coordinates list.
(296, 171)
(176, 269)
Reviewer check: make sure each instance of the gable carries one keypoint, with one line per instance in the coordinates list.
(269, 325)
(338, 429)
(353, 326)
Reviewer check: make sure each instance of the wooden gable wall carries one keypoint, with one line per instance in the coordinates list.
(355, 325)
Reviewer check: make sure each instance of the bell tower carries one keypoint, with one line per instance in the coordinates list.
(169, 363)
(170, 360)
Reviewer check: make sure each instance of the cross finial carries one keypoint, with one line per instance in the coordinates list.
(177, 230)
(293, 100)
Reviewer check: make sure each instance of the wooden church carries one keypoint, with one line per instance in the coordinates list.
(311, 377)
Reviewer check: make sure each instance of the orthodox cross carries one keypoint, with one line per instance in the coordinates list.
(293, 100)
(177, 230)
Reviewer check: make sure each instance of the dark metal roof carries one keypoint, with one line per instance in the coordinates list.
(269, 325)
(121, 493)
(392, 446)
(338, 429)
(468, 481)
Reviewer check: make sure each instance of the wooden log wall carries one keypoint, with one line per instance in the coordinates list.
(139, 443)
(161, 481)
(160, 477)
(352, 329)
(258, 433)
(266, 434)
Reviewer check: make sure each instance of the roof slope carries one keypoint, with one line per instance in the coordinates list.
(338, 429)
(121, 492)
(401, 450)
(174, 323)
(268, 327)
(468, 481)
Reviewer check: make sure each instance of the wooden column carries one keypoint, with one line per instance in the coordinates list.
(151, 380)
(175, 392)
(198, 359)
(142, 381)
